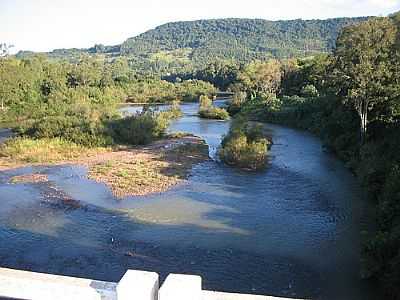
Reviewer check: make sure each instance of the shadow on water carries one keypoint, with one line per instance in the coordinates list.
(291, 230)
(101, 244)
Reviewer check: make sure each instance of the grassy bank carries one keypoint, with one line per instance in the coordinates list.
(21, 151)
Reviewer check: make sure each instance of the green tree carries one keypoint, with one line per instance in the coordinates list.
(88, 71)
(262, 77)
(362, 66)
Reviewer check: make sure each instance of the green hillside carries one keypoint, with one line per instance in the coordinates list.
(186, 45)
(240, 39)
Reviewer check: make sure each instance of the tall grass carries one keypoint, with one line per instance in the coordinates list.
(46, 150)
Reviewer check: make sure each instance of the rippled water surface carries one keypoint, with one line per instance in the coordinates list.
(291, 230)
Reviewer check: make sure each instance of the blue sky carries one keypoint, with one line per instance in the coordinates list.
(42, 25)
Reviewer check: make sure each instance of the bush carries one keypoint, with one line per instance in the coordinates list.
(292, 100)
(140, 129)
(82, 131)
(238, 99)
(245, 146)
(309, 91)
(174, 112)
(208, 111)
(214, 113)
(204, 102)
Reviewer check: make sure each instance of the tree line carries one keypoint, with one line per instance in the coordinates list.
(78, 101)
(351, 99)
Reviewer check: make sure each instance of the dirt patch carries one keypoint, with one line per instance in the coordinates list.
(155, 169)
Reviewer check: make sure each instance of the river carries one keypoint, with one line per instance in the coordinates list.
(292, 230)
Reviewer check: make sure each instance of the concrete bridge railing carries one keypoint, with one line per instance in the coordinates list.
(134, 285)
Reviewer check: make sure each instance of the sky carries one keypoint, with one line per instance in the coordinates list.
(43, 25)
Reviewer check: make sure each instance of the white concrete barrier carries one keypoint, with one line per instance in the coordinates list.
(138, 285)
(134, 285)
(181, 287)
(31, 286)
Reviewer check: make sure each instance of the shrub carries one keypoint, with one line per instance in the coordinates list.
(175, 111)
(204, 102)
(140, 129)
(208, 111)
(309, 91)
(82, 131)
(292, 100)
(245, 146)
(214, 113)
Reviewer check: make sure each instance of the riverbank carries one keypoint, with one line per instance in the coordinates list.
(127, 171)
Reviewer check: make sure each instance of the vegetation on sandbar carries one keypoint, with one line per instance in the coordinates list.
(245, 146)
(208, 111)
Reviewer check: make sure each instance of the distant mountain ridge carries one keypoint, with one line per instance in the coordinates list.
(178, 44)
(241, 36)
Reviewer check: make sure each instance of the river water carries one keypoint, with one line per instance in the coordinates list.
(291, 230)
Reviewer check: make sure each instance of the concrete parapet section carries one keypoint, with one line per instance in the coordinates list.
(138, 285)
(134, 285)
(31, 286)
(181, 287)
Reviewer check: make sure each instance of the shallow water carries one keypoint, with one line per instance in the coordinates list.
(291, 230)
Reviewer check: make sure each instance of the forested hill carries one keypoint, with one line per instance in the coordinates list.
(240, 39)
(193, 44)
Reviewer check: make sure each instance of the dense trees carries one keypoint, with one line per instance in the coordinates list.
(78, 101)
(356, 89)
(219, 73)
(240, 39)
(261, 77)
(363, 66)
